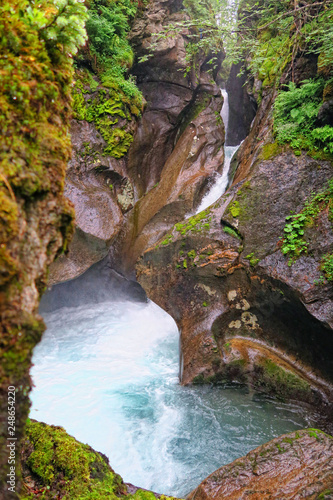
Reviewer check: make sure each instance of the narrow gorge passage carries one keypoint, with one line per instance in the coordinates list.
(221, 182)
(108, 373)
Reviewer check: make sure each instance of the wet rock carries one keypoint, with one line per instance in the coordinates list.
(293, 466)
(99, 188)
(244, 312)
(101, 284)
(242, 106)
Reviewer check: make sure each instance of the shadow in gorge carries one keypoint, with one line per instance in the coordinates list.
(100, 283)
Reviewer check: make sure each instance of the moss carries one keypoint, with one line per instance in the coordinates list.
(325, 495)
(276, 380)
(185, 264)
(252, 259)
(234, 209)
(270, 151)
(65, 468)
(105, 108)
(232, 232)
(194, 224)
(167, 239)
(191, 254)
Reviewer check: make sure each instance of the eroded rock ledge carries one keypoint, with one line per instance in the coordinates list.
(294, 466)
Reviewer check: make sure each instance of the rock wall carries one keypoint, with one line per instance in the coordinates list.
(245, 311)
(177, 147)
(35, 218)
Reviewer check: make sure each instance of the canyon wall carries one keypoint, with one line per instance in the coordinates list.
(176, 147)
(247, 311)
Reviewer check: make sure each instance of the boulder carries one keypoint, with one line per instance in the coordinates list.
(293, 466)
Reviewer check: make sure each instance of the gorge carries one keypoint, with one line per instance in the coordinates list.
(235, 243)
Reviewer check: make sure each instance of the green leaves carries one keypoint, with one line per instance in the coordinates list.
(66, 26)
(293, 242)
(295, 117)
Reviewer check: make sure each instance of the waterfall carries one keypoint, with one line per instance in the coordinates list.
(221, 181)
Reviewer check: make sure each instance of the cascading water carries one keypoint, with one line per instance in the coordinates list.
(108, 373)
(221, 182)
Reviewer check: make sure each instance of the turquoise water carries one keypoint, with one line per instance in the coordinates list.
(108, 373)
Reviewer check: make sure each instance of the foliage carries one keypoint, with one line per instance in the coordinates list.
(108, 52)
(275, 32)
(327, 266)
(200, 30)
(103, 65)
(294, 243)
(295, 117)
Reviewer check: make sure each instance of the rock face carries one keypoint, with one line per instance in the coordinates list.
(294, 466)
(242, 106)
(35, 218)
(178, 145)
(177, 148)
(244, 312)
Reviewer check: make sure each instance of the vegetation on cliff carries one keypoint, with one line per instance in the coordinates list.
(104, 93)
(274, 36)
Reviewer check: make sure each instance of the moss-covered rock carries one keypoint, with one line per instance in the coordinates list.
(56, 465)
(35, 218)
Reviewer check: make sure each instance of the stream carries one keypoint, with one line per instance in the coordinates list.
(108, 373)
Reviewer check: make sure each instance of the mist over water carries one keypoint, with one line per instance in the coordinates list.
(108, 373)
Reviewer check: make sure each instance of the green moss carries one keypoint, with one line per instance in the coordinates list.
(232, 232)
(276, 380)
(105, 109)
(204, 304)
(270, 151)
(234, 209)
(167, 239)
(325, 495)
(194, 224)
(327, 266)
(191, 254)
(185, 264)
(66, 468)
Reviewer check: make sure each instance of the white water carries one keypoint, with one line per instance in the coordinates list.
(108, 373)
(221, 181)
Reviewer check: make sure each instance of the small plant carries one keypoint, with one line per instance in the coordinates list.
(185, 264)
(293, 242)
(204, 304)
(251, 258)
(327, 266)
(191, 254)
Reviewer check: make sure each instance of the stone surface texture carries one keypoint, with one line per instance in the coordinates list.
(177, 148)
(295, 466)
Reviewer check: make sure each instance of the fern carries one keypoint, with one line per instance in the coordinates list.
(295, 117)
